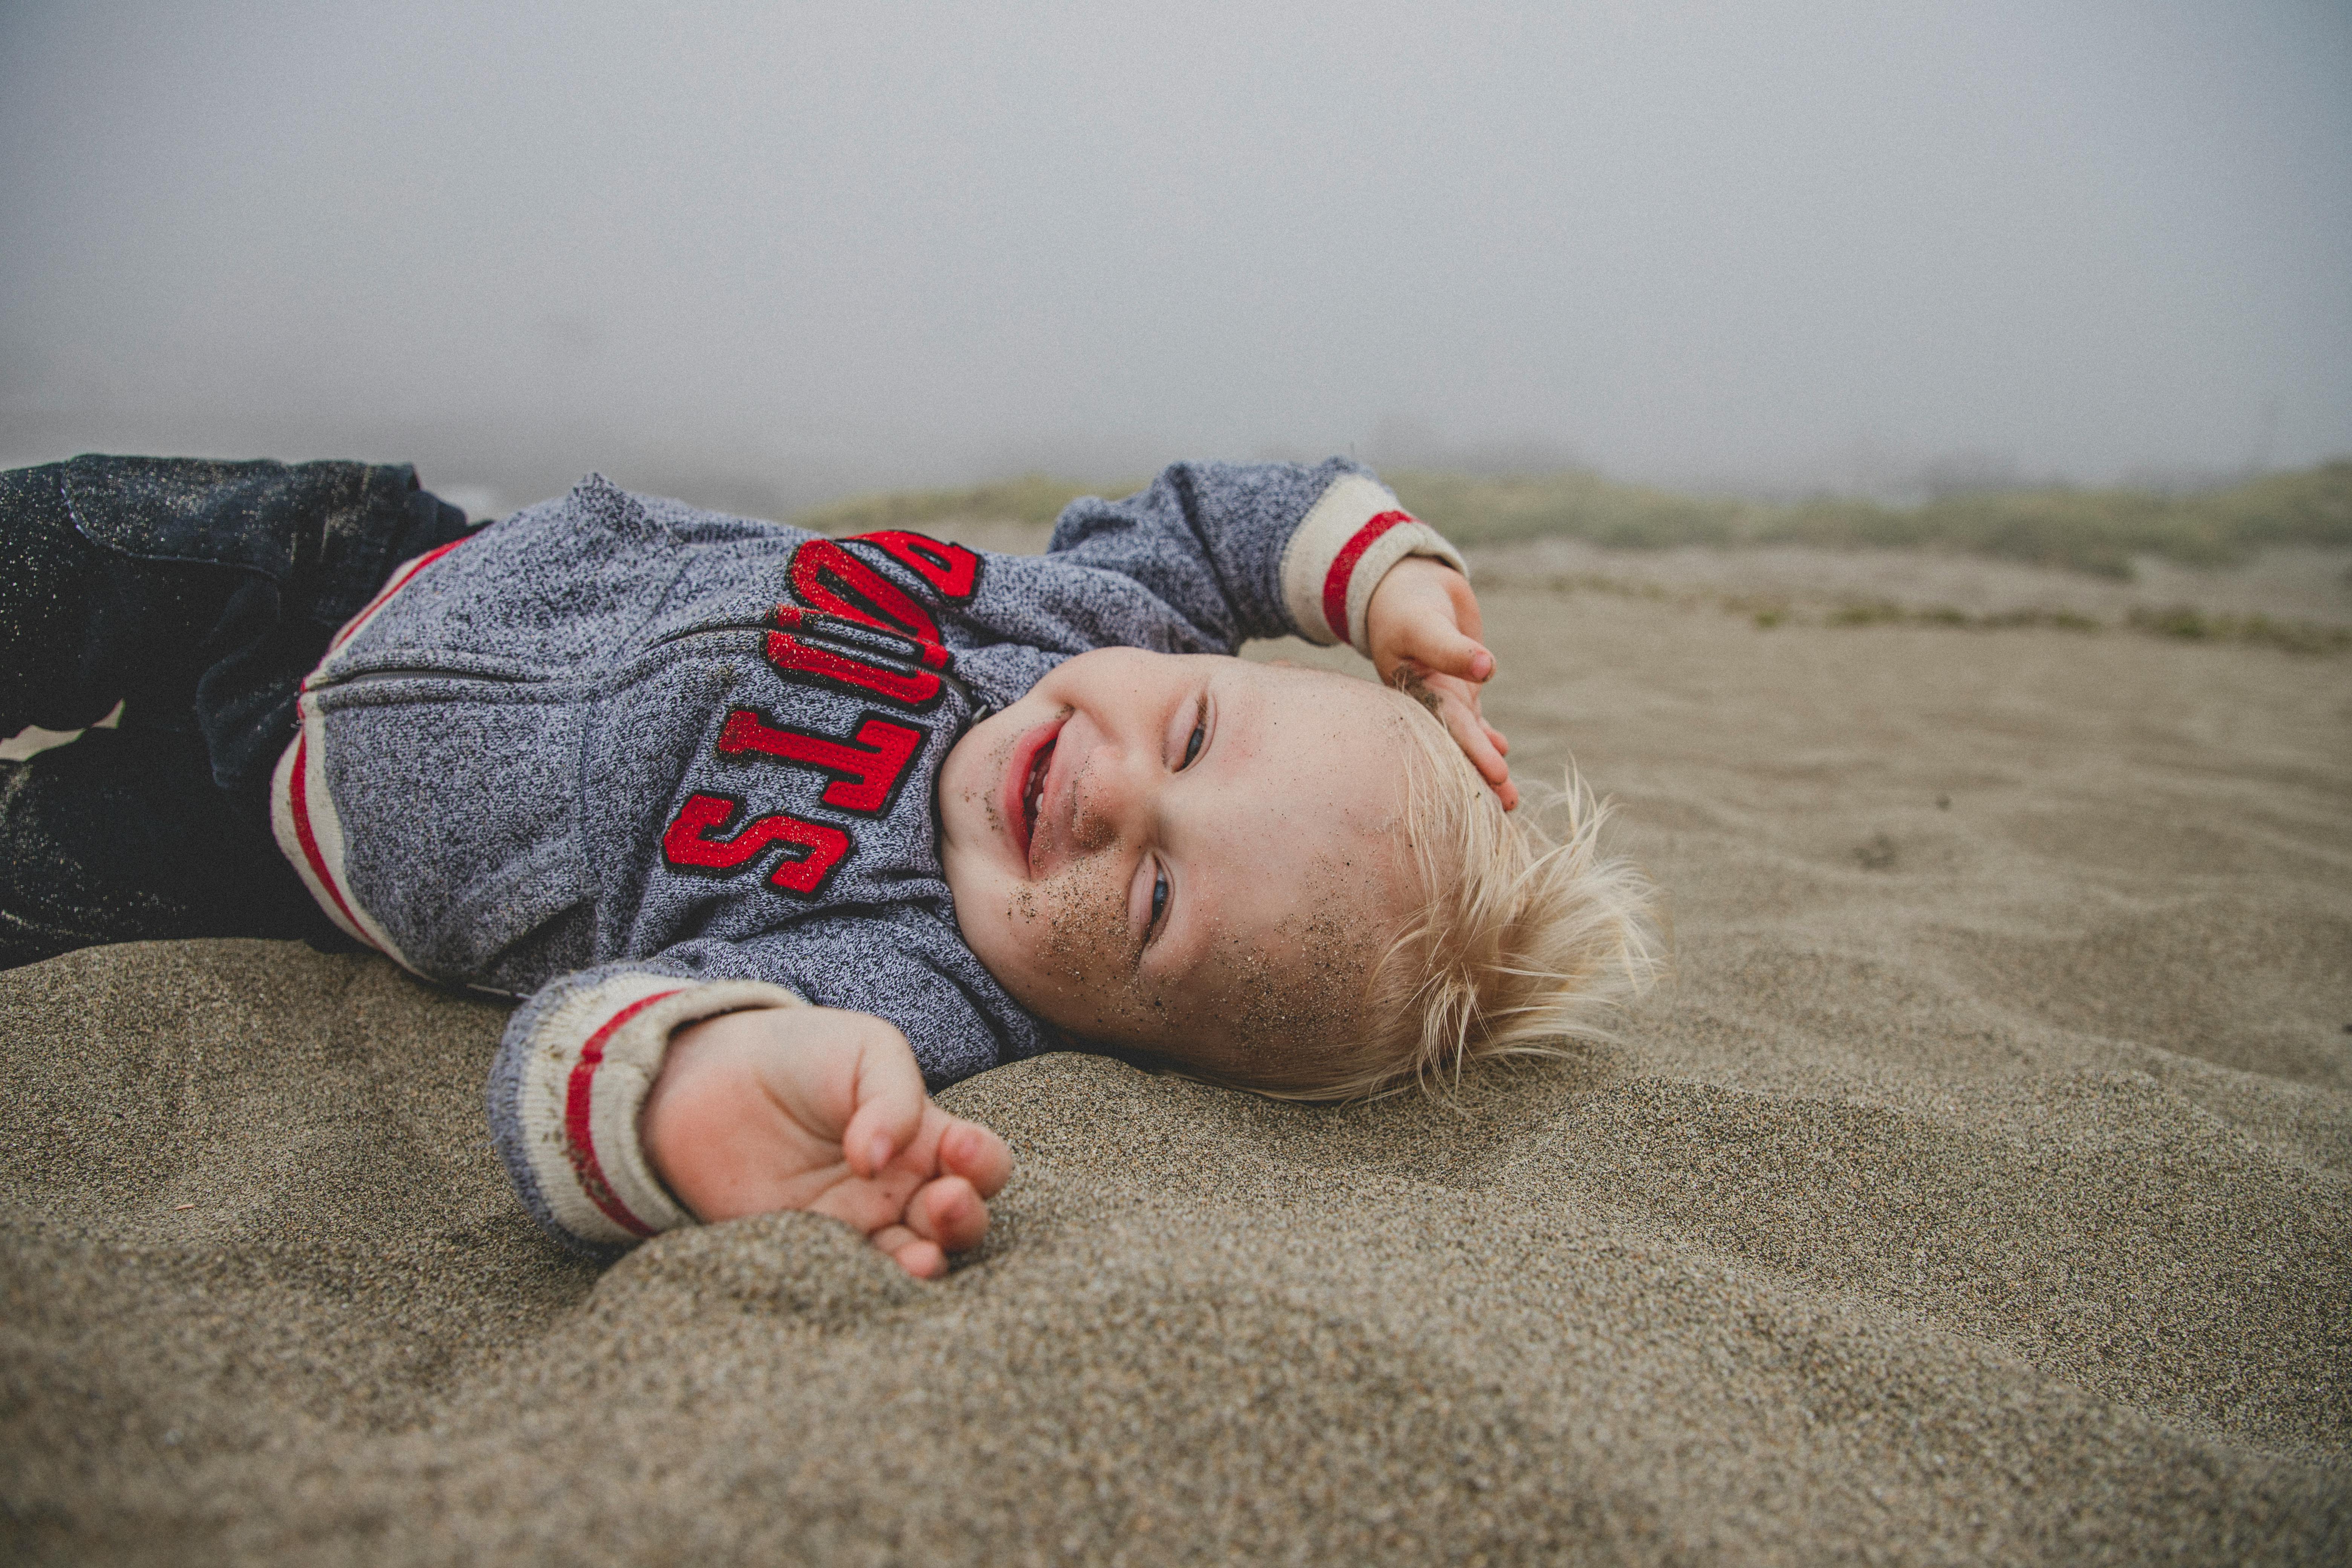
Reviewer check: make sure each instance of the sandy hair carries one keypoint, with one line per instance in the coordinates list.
(1527, 935)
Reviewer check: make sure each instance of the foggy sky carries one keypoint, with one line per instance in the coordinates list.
(803, 250)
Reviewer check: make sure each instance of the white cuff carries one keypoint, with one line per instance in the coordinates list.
(588, 1066)
(1346, 543)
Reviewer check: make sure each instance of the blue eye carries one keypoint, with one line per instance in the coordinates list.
(1159, 895)
(1192, 744)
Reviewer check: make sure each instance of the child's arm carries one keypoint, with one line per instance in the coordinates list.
(1245, 549)
(1260, 550)
(583, 1056)
(1424, 627)
(822, 1109)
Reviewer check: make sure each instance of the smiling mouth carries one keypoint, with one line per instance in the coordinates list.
(1034, 790)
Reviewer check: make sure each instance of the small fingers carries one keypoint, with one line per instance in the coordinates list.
(1476, 744)
(870, 1206)
(1444, 649)
(890, 1101)
(948, 1212)
(1456, 702)
(922, 1259)
(1485, 746)
(973, 1152)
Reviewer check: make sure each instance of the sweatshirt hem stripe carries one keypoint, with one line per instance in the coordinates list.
(307, 836)
(301, 808)
(302, 819)
(393, 585)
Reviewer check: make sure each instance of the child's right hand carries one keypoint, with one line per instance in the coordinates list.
(1423, 626)
(817, 1109)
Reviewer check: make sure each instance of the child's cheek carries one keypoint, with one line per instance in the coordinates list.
(976, 791)
(1075, 927)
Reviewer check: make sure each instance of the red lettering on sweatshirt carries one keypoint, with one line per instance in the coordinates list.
(830, 580)
(689, 844)
(867, 769)
(910, 688)
(950, 568)
(817, 623)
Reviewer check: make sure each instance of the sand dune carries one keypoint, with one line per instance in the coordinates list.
(1978, 1192)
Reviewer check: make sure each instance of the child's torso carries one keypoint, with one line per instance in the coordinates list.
(606, 728)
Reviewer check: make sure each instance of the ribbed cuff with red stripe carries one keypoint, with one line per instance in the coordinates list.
(1350, 537)
(586, 1071)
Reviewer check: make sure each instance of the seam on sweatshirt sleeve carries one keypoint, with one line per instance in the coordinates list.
(586, 1069)
(1344, 545)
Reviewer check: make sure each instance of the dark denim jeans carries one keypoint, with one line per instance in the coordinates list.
(197, 594)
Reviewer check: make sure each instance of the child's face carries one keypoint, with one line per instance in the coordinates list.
(1185, 854)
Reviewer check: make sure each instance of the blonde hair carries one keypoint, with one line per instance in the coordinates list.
(1527, 935)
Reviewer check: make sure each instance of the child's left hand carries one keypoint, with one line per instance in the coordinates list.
(823, 1110)
(1423, 620)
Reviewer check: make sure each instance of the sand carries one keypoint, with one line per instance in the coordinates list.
(2308, 587)
(1976, 1193)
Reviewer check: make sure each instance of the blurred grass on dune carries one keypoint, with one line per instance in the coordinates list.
(2093, 530)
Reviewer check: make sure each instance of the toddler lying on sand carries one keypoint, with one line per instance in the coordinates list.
(766, 831)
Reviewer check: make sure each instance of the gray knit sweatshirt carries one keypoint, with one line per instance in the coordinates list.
(635, 764)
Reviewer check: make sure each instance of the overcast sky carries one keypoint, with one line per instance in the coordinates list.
(801, 249)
